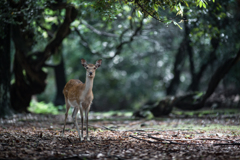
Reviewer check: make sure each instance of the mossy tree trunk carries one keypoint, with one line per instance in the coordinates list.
(28, 66)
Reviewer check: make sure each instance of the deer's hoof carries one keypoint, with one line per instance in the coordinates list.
(88, 139)
(81, 139)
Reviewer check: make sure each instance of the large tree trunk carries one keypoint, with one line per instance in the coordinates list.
(190, 52)
(29, 76)
(184, 103)
(5, 76)
(179, 59)
(219, 74)
(196, 77)
(60, 80)
(28, 80)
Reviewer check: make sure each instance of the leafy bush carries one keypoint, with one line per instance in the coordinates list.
(44, 108)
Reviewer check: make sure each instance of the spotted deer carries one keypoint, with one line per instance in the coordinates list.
(79, 95)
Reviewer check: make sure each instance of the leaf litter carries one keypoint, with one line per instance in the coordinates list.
(32, 136)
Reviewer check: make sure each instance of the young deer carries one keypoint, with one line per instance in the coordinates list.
(79, 95)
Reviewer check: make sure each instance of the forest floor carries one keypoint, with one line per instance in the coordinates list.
(209, 136)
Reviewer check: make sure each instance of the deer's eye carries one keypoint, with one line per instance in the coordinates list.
(94, 67)
(86, 67)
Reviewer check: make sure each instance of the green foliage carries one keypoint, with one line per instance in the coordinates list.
(198, 95)
(143, 68)
(153, 8)
(127, 80)
(202, 3)
(43, 108)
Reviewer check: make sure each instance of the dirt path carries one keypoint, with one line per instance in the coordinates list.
(38, 137)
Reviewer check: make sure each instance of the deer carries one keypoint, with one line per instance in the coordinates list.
(79, 95)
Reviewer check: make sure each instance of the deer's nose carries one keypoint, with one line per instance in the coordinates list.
(90, 73)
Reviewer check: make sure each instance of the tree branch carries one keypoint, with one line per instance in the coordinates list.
(146, 11)
(212, 85)
(101, 33)
(118, 47)
(63, 31)
(50, 34)
(85, 43)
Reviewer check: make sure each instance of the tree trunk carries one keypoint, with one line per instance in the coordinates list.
(189, 50)
(60, 80)
(5, 76)
(29, 76)
(219, 74)
(28, 80)
(212, 85)
(196, 77)
(179, 59)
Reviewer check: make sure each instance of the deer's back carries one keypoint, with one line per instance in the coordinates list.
(70, 86)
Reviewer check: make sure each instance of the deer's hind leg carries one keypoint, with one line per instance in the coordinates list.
(74, 116)
(81, 112)
(66, 115)
(86, 119)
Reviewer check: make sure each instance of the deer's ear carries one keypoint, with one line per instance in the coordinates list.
(98, 63)
(83, 62)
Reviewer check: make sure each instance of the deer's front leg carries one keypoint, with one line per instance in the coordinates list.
(66, 115)
(86, 119)
(81, 112)
(74, 116)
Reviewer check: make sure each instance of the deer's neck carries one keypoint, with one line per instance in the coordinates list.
(88, 85)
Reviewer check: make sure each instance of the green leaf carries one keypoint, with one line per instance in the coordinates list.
(204, 5)
(167, 22)
(138, 13)
(156, 7)
(175, 23)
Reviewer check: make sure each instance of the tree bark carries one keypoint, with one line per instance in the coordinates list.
(29, 76)
(179, 59)
(196, 77)
(219, 74)
(189, 50)
(212, 85)
(60, 80)
(5, 76)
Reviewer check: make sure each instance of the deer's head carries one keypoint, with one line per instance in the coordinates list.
(91, 68)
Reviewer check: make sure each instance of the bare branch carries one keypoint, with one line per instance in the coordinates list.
(118, 47)
(85, 43)
(50, 65)
(218, 144)
(168, 142)
(98, 32)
